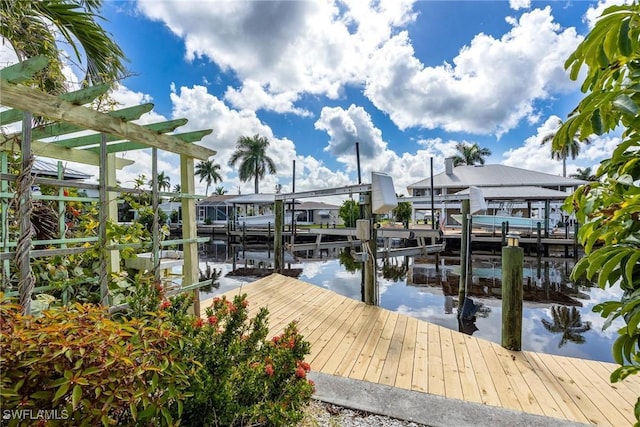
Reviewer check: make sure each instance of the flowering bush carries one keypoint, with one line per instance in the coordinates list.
(244, 379)
(89, 369)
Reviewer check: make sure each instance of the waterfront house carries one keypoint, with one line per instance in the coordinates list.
(519, 191)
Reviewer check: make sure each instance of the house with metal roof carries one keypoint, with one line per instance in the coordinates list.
(520, 191)
(255, 207)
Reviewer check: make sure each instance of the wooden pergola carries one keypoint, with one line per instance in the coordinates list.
(114, 132)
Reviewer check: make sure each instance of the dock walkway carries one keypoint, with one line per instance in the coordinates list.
(354, 340)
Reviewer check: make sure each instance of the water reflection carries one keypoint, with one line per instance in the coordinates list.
(557, 313)
(568, 322)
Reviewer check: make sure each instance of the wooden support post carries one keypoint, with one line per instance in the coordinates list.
(155, 225)
(464, 252)
(4, 218)
(190, 270)
(23, 249)
(277, 239)
(512, 264)
(369, 247)
(113, 255)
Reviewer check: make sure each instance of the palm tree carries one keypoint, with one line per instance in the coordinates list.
(164, 181)
(177, 188)
(208, 171)
(584, 174)
(31, 28)
(570, 147)
(220, 190)
(569, 323)
(470, 154)
(254, 162)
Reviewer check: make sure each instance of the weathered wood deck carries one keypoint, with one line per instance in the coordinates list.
(351, 339)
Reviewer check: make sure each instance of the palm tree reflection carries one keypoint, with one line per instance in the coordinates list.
(568, 322)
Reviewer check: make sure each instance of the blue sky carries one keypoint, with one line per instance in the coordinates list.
(406, 79)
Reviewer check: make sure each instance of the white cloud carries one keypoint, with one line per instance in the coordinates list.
(478, 93)
(534, 156)
(282, 49)
(519, 4)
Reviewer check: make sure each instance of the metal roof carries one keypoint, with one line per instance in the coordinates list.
(520, 193)
(217, 200)
(40, 168)
(316, 206)
(249, 199)
(494, 176)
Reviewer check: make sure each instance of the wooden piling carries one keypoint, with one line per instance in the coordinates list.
(512, 264)
(464, 249)
(370, 288)
(278, 258)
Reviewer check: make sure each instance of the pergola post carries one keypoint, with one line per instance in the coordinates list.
(111, 208)
(190, 270)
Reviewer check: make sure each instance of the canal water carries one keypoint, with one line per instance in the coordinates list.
(557, 313)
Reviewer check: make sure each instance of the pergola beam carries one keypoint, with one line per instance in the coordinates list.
(83, 141)
(54, 108)
(22, 71)
(79, 97)
(54, 151)
(58, 129)
(194, 136)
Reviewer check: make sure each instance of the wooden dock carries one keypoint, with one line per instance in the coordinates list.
(351, 339)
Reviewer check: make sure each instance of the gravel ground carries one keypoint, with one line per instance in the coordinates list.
(320, 414)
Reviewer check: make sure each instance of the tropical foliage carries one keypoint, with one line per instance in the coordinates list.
(470, 154)
(402, 212)
(164, 182)
(91, 369)
(585, 174)
(243, 378)
(251, 153)
(155, 365)
(349, 212)
(568, 148)
(32, 27)
(609, 209)
(208, 172)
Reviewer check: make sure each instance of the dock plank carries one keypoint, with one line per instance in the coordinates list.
(352, 339)
(361, 365)
(436, 370)
(380, 353)
(404, 377)
(420, 375)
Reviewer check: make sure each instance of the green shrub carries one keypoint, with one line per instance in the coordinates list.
(89, 368)
(244, 378)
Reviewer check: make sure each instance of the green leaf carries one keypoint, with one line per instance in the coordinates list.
(616, 350)
(62, 390)
(167, 415)
(625, 105)
(76, 395)
(632, 325)
(134, 411)
(624, 43)
(605, 272)
(630, 266)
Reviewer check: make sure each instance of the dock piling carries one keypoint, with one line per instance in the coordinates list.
(512, 273)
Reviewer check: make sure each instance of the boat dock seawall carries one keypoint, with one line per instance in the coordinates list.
(354, 340)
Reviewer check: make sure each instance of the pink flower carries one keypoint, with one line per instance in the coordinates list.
(300, 373)
(165, 304)
(212, 320)
(268, 370)
(198, 323)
